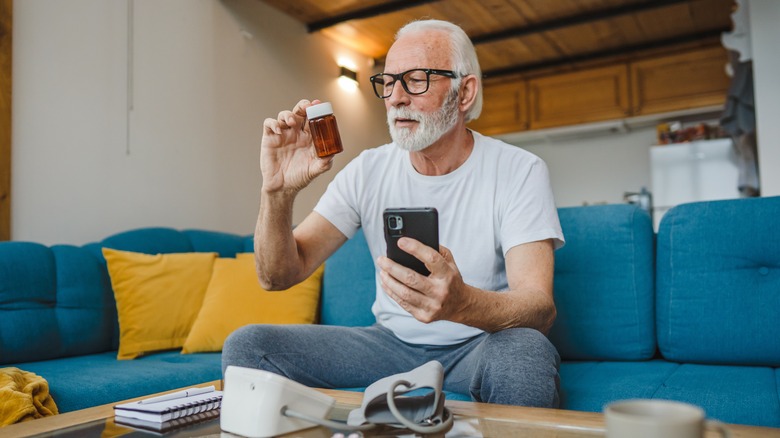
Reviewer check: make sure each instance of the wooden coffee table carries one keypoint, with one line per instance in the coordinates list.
(472, 419)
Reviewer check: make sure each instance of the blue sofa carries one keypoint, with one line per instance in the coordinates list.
(690, 314)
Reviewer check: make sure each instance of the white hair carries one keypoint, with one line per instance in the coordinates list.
(464, 56)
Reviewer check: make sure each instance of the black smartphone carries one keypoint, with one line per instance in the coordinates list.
(421, 223)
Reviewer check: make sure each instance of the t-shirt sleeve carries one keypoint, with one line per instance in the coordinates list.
(339, 204)
(529, 212)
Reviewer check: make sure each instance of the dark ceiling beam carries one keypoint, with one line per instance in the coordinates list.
(373, 11)
(622, 51)
(574, 20)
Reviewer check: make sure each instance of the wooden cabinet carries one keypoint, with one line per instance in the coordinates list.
(579, 97)
(504, 109)
(681, 81)
(672, 82)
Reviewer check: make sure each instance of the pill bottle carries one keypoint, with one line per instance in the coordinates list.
(324, 130)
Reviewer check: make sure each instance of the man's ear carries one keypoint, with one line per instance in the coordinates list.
(468, 92)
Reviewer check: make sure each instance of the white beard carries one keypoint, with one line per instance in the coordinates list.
(430, 126)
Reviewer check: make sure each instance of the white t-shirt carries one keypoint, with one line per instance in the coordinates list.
(499, 198)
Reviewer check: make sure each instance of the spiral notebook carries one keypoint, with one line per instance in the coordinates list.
(171, 406)
(178, 424)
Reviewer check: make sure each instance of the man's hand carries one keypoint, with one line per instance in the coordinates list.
(288, 160)
(442, 295)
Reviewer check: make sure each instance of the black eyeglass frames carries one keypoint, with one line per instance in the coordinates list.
(415, 81)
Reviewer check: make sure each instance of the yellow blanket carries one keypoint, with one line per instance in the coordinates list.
(23, 396)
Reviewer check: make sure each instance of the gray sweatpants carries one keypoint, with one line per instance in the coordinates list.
(514, 366)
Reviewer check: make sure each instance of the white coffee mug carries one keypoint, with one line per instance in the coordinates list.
(657, 419)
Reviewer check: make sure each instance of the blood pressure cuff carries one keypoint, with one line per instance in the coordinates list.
(427, 408)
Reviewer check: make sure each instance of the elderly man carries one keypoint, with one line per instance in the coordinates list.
(487, 304)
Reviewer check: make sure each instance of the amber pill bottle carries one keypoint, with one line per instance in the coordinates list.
(324, 130)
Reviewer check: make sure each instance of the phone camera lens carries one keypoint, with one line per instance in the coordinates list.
(395, 222)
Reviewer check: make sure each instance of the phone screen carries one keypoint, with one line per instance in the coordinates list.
(420, 223)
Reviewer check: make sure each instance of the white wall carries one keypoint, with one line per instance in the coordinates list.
(206, 74)
(765, 37)
(596, 168)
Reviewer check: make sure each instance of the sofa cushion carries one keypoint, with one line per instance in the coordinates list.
(718, 277)
(234, 298)
(161, 240)
(157, 297)
(589, 386)
(249, 244)
(349, 285)
(224, 244)
(92, 380)
(28, 327)
(150, 241)
(604, 284)
(55, 302)
(733, 394)
(86, 310)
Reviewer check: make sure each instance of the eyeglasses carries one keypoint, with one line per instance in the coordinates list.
(414, 81)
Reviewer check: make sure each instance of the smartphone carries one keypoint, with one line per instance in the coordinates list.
(420, 223)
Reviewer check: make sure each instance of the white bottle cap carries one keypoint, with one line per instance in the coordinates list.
(319, 110)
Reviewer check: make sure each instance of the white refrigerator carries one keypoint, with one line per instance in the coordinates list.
(687, 172)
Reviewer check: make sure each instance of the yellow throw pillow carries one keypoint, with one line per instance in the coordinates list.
(157, 297)
(235, 298)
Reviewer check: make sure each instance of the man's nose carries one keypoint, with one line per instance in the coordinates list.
(398, 95)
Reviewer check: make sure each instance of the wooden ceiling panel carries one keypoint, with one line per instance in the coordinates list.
(711, 14)
(473, 18)
(506, 53)
(550, 10)
(505, 13)
(626, 29)
(667, 21)
(611, 33)
(308, 11)
(373, 36)
(511, 35)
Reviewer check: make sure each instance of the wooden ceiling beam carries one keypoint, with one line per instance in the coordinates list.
(622, 51)
(574, 20)
(373, 11)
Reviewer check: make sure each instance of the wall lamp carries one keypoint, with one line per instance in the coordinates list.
(347, 73)
(348, 78)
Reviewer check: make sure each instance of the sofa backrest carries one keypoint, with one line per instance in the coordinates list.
(168, 240)
(604, 284)
(54, 302)
(57, 301)
(349, 285)
(718, 282)
(718, 277)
